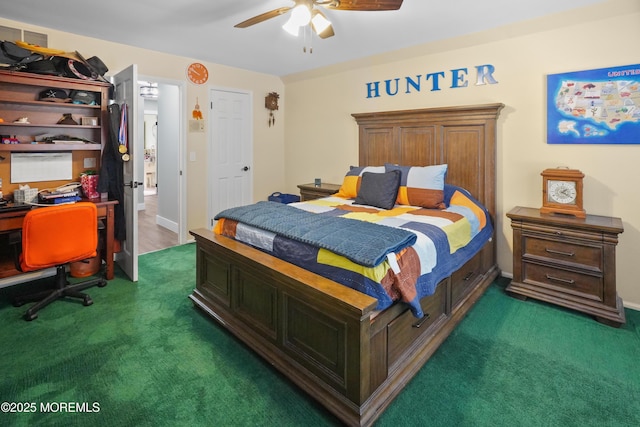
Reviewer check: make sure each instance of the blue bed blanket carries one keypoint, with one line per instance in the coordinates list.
(361, 242)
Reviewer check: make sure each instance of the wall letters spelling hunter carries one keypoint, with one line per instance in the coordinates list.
(484, 75)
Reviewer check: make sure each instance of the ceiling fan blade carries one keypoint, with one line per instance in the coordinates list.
(325, 33)
(263, 17)
(366, 5)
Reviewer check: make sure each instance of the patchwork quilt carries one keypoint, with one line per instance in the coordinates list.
(444, 240)
(362, 242)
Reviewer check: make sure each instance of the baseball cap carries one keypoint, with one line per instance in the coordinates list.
(83, 97)
(54, 95)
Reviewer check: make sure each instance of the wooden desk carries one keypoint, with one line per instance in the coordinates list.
(10, 221)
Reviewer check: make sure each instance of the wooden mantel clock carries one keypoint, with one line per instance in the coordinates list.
(562, 192)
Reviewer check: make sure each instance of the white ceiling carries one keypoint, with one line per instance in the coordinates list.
(204, 29)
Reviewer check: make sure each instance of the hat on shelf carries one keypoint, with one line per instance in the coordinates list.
(44, 66)
(83, 97)
(67, 119)
(77, 69)
(97, 65)
(54, 95)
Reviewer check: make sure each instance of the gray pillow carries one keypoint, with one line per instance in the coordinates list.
(379, 189)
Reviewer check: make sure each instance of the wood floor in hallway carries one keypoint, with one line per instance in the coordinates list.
(151, 236)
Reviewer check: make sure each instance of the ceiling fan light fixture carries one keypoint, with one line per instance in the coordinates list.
(291, 28)
(301, 15)
(149, 90)
(320, 23)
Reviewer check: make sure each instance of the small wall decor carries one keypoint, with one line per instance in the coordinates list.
(271, 103)
(600, 106)
(196, 113)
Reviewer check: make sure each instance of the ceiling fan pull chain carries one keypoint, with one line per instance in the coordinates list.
(304, 39)
(307, 31)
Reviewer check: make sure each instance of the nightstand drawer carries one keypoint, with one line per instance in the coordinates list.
(554, 232)
(582, 256)
(565, 281)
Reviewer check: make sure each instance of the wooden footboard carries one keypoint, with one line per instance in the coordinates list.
(325, 337)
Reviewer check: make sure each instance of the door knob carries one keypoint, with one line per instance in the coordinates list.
(246, 168)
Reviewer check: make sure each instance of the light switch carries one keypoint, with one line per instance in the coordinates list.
(192, 156)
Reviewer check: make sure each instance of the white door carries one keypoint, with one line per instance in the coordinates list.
(231, 153)
(126, 90)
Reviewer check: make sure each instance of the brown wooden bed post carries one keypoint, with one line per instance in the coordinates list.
(327, 338)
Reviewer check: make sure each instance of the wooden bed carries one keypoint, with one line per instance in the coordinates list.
(327, 338)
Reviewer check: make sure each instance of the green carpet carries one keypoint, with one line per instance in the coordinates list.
(142, 355)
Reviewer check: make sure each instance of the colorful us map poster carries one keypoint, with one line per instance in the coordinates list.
(594, 107)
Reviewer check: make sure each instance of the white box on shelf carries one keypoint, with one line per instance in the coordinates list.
(29, 195)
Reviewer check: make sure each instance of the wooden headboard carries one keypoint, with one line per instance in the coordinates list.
(463, 137)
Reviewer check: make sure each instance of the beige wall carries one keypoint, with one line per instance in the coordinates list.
(268, 142)
(321, 136)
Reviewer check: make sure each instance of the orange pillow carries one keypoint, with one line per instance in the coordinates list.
(351, 183)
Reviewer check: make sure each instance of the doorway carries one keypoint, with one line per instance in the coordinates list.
(161, 204)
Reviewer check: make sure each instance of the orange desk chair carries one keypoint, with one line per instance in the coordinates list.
(53, 237)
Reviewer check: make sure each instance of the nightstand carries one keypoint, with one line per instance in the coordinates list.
(568, 261)
(311, 191)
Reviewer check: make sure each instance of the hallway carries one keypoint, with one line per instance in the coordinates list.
(152, 237)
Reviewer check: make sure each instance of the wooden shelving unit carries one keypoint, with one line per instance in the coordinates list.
(19, 97)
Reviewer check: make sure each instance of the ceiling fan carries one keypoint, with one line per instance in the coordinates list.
(305, 12)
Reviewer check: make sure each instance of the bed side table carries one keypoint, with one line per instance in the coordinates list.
(312, 192)
(568, 261)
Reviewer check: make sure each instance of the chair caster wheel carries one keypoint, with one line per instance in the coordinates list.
(87, 301)
(102, 284)
(18, 303)
(30, 316)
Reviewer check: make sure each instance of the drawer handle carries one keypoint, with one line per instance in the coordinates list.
(421, 321)
(551, 251)
(558, 279)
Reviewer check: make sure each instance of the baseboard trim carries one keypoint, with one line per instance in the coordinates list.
(168, 224)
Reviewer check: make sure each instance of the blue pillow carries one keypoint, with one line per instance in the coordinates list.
(379, 189)
(351, 183)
